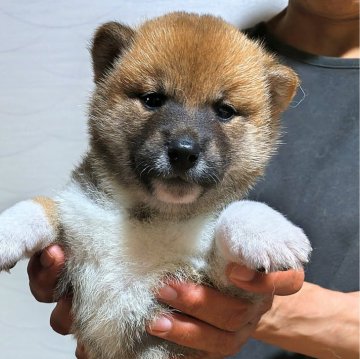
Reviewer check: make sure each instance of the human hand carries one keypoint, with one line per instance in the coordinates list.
(212, 322)
(215, 323)
(43, 271)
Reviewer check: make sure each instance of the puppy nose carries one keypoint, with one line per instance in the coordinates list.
(183, 153)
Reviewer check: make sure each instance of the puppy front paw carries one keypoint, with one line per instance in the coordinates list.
(10, 251)
(24, 229)
(7, 267)
(253, 234)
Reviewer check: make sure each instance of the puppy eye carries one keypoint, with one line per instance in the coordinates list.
(153, 100)
(224, 112)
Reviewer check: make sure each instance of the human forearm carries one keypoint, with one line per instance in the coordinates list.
(315, 321)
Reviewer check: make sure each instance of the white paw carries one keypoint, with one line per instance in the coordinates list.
(10, 250)
(8, 258)
(253, 234)
(24, 229)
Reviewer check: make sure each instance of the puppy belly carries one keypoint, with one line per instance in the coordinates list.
(112, 310)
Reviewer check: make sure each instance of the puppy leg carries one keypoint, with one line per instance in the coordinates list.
(25, 228)
(253, 234)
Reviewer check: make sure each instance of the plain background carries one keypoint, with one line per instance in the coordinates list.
(45, 82)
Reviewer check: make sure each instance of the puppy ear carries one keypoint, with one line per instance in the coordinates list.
(283, 85)
(109, 43)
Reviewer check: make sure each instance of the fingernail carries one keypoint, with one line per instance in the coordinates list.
(161, 324)
(241, 273)
(47, 257)
(167, 293)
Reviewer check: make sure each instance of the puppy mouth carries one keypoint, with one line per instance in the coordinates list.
(175, 190)
(170, 185)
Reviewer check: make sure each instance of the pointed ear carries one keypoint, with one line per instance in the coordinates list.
(283, 83)
(109, 43)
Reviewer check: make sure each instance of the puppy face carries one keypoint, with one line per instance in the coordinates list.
(186, 109)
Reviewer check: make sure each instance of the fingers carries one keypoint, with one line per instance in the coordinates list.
(277, 283)
(61, 318)
(192, 333)
(211, 306)
(43, 272)
(211, 322)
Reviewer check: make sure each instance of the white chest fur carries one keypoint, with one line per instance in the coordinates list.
(102, 232)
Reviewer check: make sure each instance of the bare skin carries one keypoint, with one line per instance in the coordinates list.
(317, 322)
(321, 27)
(212, 322)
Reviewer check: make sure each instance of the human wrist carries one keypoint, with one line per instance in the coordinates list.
(315, 321)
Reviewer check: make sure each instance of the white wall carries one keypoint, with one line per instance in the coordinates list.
(45, 80)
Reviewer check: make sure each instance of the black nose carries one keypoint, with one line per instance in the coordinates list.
(183, 153)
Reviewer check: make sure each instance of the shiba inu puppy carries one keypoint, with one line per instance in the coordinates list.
(183, 119)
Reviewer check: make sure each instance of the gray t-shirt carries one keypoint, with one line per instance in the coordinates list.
(314, 177)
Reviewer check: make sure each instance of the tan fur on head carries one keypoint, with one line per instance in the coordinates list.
(219, 57)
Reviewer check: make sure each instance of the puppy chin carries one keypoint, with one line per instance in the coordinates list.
(175, 193)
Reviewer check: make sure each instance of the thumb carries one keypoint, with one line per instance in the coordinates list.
(277, 283)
